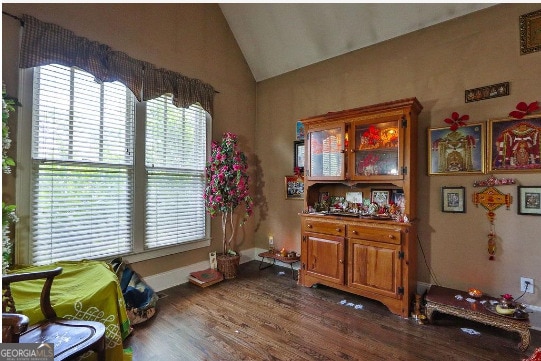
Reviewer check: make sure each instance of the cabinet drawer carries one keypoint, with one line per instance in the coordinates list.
(335, 229)
(374, 234)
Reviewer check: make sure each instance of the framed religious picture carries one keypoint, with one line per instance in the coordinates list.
(452, 199)
(294, 187)
(514, 144)
(529, 200)
(461, 151)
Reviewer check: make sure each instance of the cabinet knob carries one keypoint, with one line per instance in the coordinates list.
(391, 236)
(355, 232)
(338, 230)
(341, 262)
(352, 150)
(308, 226)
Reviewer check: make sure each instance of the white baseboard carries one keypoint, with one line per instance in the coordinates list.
(162, 281)
(178, 276)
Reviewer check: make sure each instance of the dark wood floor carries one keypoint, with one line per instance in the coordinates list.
(265, 315)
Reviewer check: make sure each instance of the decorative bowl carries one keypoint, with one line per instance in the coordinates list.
(505, 311)
(474, 292)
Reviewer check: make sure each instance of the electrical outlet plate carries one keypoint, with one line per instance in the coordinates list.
(523, 281)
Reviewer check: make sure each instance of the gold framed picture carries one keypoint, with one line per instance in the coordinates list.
(530, 32)
(457, 152)
(514, 144)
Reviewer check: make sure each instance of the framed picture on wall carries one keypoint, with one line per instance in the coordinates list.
(298, 155)
(294, 187)
(452, 199)
(300, 131)
(529, 200)
(457, 152)
(514, 144)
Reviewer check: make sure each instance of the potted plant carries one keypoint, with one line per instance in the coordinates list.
(227, 188)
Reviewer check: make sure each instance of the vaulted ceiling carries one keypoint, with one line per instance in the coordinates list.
(280, 37)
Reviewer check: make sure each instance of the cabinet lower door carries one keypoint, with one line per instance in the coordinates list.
(375, 267)
(325, 257)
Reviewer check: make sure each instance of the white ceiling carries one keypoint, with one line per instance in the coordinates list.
(280, 37)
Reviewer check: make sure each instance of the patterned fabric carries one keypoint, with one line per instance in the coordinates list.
(46, 43)
(85, 290)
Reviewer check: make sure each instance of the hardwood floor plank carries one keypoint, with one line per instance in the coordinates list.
(265, 315)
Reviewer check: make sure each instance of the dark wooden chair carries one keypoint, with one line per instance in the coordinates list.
(71, 338)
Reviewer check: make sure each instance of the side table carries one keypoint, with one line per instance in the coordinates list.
(274, 257)
(442, 299)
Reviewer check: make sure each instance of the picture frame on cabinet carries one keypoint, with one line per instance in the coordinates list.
(457, 152)
(514, 144)
(452, 199)
(381, 197)
(298, 155)
(529, 200)
(530, 32)
(294, 187)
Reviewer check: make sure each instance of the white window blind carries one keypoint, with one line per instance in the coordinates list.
(82, 166)
(175, 156)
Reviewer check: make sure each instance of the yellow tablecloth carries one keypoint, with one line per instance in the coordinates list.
(85, 290)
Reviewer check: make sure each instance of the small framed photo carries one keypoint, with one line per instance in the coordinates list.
(452, 199)
(298, 155)
(300, 131)
(324, 197)
(514, 144)
(456, 152)
(294, 187)
(381, 197)
(529, 200)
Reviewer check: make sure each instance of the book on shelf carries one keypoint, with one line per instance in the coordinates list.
(206, 277)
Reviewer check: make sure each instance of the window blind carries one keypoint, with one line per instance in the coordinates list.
(175, 157)
(82, 155)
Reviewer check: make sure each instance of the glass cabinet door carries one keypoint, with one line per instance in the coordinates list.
(325, 153)
(377, 150)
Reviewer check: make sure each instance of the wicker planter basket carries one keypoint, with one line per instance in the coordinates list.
(228, 265)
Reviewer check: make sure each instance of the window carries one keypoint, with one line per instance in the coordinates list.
(97, 165)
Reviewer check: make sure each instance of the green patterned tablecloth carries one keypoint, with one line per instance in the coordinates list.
(85, 290)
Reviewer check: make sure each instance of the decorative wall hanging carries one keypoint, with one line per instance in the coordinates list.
(452, 199)
(486, 92)
(460, 151)
(514, 144)
(524, 109)
(491, 199)
(493, 181)
(529, 200)
(530, 32)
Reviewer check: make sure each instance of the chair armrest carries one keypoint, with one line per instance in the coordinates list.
(45, 299)
(13, 324)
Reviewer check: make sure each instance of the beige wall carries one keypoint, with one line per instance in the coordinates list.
(436, 65)
(192, 39)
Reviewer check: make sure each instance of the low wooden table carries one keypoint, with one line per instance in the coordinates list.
(442, 299)
(274, 256)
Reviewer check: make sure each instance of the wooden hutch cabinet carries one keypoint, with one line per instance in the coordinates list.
(361, 150)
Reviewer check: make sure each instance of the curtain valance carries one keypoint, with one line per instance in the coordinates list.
(46, 43)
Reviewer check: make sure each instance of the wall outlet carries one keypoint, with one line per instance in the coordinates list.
(523, 281)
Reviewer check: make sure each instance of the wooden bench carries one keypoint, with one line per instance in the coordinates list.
(442, 299)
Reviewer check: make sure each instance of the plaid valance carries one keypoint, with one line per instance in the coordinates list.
(46, 43)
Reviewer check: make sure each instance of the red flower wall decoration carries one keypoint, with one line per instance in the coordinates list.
(524, 109)
(456, 121)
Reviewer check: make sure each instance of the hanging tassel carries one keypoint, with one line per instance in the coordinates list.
(491, 244)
